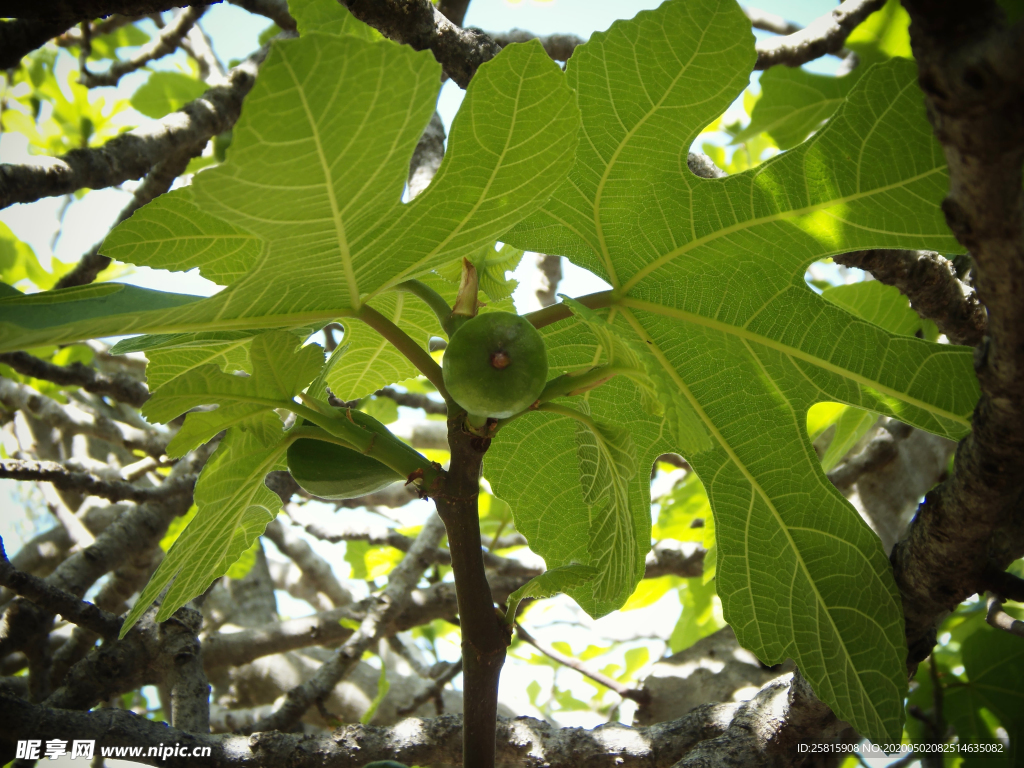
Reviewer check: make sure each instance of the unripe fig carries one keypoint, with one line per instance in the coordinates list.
(495, 365)
(333, 471)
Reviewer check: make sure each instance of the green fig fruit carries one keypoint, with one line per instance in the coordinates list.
(495, 365)
(333, 471)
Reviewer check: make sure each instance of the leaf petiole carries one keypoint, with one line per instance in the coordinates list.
(405, 344)
(557, 312)
(432, 299)
(572, 384)
(387, 449)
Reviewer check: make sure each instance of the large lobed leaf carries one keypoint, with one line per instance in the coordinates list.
(304, 222)
(709, 277)
(280, 372)
(234, 509)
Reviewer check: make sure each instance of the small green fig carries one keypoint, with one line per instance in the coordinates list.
(333, 471)
(495, 365)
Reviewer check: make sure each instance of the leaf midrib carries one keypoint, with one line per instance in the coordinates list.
(245, 487)
(456, 230)
(780, 216)
(339, 225)
(630, 132)
(790, 351)
(685, 391)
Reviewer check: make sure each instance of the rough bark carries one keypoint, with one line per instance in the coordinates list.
(971, 69)
(930, 282)
(761, 732)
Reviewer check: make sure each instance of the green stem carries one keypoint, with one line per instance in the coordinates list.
(404, 343)
(387, 449)
(432, 299)
(569, 383)
(572, 413)
(557, 312)
(575, 382)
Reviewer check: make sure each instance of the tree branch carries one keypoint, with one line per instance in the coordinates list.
(877, 453)
(20, 37)
(1000, 619)
(826, 34)
(558, 47)
(769, 22)
(56, 600)
(930, 282)
(74, 11)
(120, 386)
(386, 608)
(637, 695)
(165, 43)
(434, 691)
(484, 635)
(314, 568)
(762, 732)
(414, 400)
(419, 24)
(971, 69)
(75, 419)
(133, 154)
(91, 485)
(138, 530)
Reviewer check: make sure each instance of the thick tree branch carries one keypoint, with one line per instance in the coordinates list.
(20, 37)
(454, 10)
(931, 284)
(877, 453)
(1005, 585)
(558, 47)
(138, 530)
(971, 69)
(74, 11)
(120, 386)
(824, 35)
(183, 676)
(419, 24)
(133, 154)
(763, 732)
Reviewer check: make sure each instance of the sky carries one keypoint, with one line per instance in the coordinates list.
(234, 34)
